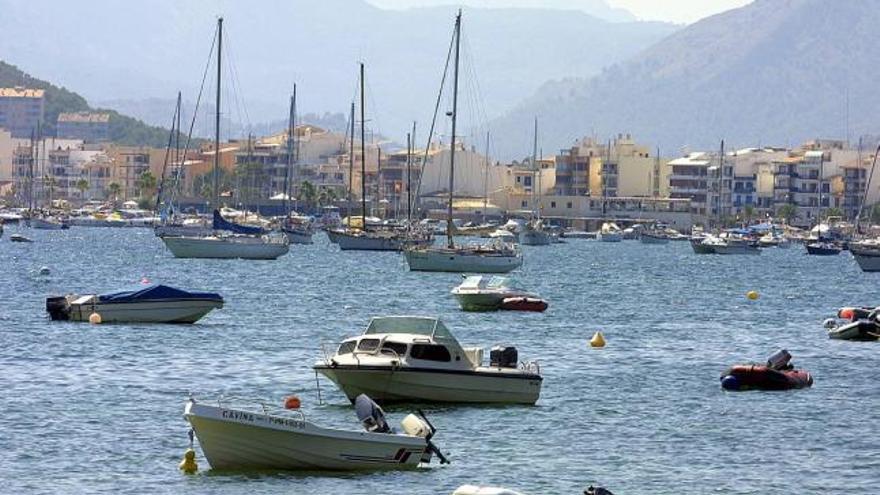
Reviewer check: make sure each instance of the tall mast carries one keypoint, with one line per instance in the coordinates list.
(378, 177)
(350, 164)
(408, 179)
(720, 183)
(819, 190)
(486, 179)
(216, 198)
(363, 159)
(291, 122)
(449, 240)
(535, 170)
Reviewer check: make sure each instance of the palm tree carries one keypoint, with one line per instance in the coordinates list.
(82, 186)
(146, 183)
(788, 212)
(748, 213)
(114, 189)
(307, 193)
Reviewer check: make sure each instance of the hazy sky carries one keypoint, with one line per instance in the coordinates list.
(681, 11)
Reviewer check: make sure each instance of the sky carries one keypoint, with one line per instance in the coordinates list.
(678, 11)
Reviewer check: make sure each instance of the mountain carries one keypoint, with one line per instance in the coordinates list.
(153, 48)
(123, 129)
(772, 72)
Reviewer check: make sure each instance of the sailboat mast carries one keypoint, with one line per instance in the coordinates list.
(486, 179)
(288, 170)
(449, 240)
(216, 199)
(535, 170)
(350, 164)
(363, 159)
(408, 180)
(720, 183)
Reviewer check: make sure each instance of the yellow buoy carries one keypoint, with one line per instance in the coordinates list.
(752, 295)
(598, 340)
(188, 465)
(94, 318)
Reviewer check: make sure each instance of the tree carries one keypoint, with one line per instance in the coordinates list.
(875, 214)
(146, 184)
(833, 212)
(787, 212)
(748, 213)
(307, 193)
(82, 186)
(114, 189)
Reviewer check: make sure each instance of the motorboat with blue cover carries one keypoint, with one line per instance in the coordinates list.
(149, 304)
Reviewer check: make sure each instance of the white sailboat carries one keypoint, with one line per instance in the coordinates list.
(533, 232)
(220, 245)
(298, 229)
(496, 257)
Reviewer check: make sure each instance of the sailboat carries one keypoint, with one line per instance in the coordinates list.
(298, 229)
(225, 244)
(533, 233)
(497, 257)
(363, 238)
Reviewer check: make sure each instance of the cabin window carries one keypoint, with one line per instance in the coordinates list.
(345, 347)
(368, 345)
(430, 352)
(394, 349)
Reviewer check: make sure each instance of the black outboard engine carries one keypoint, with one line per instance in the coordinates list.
(58, 308)
(503, 357)
(780, 360)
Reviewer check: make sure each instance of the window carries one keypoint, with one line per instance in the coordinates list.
(568, 205)
(394, 349)
(525, 204)
(553, 204)
(527, 181)
(345, 347)
(430, 352)
(368, 345)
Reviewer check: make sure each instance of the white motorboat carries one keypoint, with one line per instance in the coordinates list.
(222, 246)
(867, 254)
(481, 293)
(734, 245)
(654, 237)
(609, 232)
(47, 223)
(505, 235)
(151, 304)
(495, 257)
(483, 490)
(416, 359)
(239, 435)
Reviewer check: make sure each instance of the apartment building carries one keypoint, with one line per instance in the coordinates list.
(87, 126)
(21, 110)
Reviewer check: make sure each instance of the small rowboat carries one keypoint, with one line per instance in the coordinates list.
(524, 304)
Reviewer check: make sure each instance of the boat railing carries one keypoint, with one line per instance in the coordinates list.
(531, 366)
(251, 404)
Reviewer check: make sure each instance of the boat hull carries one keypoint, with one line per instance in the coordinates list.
(240, 440)
(700, 248)
(736, 249)
(609, 236)
(298, 237)
(389, 385)
(224, 248)
(652, 239)
(535, 238)
(373, 242)
(461, 262)
(867, 258)
(822, 250)
(170, 311)
(861, 330)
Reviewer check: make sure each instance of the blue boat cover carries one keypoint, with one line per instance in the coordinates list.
(221, 223)
(156, 292)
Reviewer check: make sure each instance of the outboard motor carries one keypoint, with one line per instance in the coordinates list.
(58, 308)
(371, 415)
(779, 360)
(503, 357)
(598, 490)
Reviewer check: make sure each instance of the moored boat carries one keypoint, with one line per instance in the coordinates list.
(151, 304)
(416, 359)
(241, 436)
(229, 246)
(487, 293)
(609, 232)
(823, 248)
(776, 374)
(866, 254)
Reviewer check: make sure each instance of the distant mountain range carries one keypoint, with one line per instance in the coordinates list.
(775, 72)
(148, 50)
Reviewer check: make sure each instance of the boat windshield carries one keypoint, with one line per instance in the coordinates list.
(431, 327)
(481, 282)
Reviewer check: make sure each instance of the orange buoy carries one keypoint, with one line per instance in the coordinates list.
(292, 402)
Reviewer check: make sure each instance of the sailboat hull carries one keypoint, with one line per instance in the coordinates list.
(441, 260)
(376, 242)
(253, 248)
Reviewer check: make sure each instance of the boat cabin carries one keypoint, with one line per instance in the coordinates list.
(421, 342)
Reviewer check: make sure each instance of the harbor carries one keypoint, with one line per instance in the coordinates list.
(100, 406)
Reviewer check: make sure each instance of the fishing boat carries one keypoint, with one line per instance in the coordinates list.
(823, 248)
(151, 304)
(776, 374)
(867, 254)
(494, 257)
(487, 293)
(236, 434)
(609, 232)
(411, 358)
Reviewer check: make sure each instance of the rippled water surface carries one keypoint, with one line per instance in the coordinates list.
(99, 408)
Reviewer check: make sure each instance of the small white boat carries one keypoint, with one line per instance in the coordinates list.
(867, 254)
(151, 304)
(47, 223)
(534, 234)
(220, 246)
(19, 238)
(505, 235)
(416, 359)
(237, 436)
(497, 257)
(733, 245)
(609, 232)
(654, 237)
(482, 293)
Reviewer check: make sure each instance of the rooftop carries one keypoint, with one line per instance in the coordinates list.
(21, 92)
